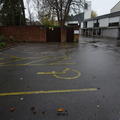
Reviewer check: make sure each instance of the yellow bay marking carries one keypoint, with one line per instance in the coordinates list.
(63, 58)
(14, 60)
(34, 62)
(40, 60)
(2, 64)
(49, 92)
(10, 55)
(37, 64)
(18, 59)
(1, 58)
(57, 74)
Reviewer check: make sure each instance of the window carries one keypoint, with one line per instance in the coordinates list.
(114, 24)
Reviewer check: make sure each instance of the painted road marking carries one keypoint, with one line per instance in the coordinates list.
(78, 74)
(2, 64)
(9, 55)
(49, 92)
(34, 62)
(15, 60)
(49, 64)
(1, 58)
(65, 71)
(53, 72)
(40, 60)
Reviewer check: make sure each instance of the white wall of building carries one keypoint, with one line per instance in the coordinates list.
(104, 22)
(87, 12)
(116, 8)
(110, 32)
(81, 24)
(114, 19)
(90, 24)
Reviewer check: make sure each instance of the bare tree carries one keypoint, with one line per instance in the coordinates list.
(59, 9)
(62, 8)
(43, 9)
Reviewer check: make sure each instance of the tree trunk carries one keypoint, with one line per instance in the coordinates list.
(23, 11)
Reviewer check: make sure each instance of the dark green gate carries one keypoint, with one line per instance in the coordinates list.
(53, 34)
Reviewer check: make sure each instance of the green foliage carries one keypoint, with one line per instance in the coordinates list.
(2, 41)
(3, 38)
(47, 22)
(2, 44)
(12, 12)
(93, 14)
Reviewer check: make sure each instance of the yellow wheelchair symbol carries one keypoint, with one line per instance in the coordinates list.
(62, 74)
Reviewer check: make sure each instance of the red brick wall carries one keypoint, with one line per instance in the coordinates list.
(25, 33)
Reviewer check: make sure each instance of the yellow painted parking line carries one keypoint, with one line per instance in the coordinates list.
(49, 64)
(35, 61)
(49, 92)
(16, 57)
(15, 60)
(2, 63)
(38, 59)
(61, 63)
(1, 58)
(4, 54)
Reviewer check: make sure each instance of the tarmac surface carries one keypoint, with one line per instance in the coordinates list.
(51, 81)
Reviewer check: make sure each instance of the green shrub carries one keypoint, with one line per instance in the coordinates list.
(2, 38)
(2, 44)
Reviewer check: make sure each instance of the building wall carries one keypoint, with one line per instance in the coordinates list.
(116, 8)
(114, 19)
(90, 24)
(87, 12)
(105, 26)
(110, 32)
(105, 32)
(81, 24)
(104, 22)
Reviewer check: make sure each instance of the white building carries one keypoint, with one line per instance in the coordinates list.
(108, 20)
(87, 10)
(116, 8)
(86, 14)
(106, 25)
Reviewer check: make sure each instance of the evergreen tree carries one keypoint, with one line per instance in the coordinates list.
(12, 12)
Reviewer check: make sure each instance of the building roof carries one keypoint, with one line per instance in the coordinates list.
(116, 5)
(78, 17)
(115, 14)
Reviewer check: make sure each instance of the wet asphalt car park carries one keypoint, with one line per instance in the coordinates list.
(52, 81)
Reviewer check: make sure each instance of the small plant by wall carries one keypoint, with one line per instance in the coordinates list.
(2, 41)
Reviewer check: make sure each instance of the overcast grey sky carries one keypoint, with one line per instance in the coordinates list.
(103, 6)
